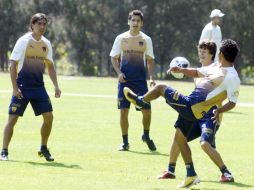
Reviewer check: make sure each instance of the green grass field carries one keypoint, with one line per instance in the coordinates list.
(86, 135)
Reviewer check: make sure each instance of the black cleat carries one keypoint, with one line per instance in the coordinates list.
(4, 155)
(149, 143)
(44, 152)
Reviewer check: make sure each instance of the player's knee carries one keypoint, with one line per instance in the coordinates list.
(48, 117)
(160, 88)
(205, 145)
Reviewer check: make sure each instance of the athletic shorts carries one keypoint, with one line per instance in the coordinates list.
(138, 87)
(38, 98)
(180, 103)
(203, 128)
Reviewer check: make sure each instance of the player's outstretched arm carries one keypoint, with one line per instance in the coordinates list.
(189, 72)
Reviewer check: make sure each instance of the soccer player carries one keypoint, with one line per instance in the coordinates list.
(212, 31)
(132, 56)
(192, 130)
(214, 85)
(31, 54)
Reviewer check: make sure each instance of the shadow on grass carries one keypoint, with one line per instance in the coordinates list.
(55, 164)
(148, 153)
(237, 184)
(50, 164)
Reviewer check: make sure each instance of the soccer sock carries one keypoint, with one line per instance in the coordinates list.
(190, 169)
(43, 147)
(146, 134)
(4, 150)
(171, 167)
(125, 139)
(224, 169)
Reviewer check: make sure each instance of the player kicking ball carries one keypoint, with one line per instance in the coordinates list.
(214, 85)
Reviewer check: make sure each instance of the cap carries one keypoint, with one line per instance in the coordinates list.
(216, 13)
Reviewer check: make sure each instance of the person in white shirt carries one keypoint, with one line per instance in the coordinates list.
(212, 30)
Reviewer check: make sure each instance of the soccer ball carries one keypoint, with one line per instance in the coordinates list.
(179, 62)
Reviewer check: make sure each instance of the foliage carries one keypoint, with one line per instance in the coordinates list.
(88, 28)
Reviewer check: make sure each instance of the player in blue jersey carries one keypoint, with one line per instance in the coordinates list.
(31, 55)
(214, 85)
(192, 130)
(132, 56)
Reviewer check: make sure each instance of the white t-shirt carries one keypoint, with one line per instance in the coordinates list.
(212, 33)
(215, 85)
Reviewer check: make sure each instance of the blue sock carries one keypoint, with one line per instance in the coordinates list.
(171, 167)
(140, 101)
(146, 134)
(43, 147)
(190, 170)
(125, 139)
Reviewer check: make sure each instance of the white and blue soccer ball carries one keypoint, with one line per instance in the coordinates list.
(179, 62)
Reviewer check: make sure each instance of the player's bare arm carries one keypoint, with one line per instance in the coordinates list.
(115, 64)
(13, 72)
(226, 107)
(150, 67)
(53, 77)
(189, 72)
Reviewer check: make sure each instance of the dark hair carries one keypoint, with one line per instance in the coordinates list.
(229, 49)
(210, 46)
(136, 13)
(36, 17)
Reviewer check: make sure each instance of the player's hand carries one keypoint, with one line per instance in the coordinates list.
(152, 83)
(121, 78)
(57, 92)
(17, 93)
(174, 69)
(216, 116)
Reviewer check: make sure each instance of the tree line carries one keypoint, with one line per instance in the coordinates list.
(82, 31)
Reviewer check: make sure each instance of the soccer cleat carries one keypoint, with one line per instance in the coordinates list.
(124, 147)
(4, 155)
(149, 143)
(189, 181)
(167, 175)
(134, 98)
(44, 152)
(226, 177)
(130, 96)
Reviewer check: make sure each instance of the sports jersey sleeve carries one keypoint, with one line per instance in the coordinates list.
(50, 53)
(18, 50)
(202, 71)
(233, 86)
(116, 49)
(149, 49)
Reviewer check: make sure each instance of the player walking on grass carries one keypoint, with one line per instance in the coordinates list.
(192, 129)
(132, 56)
(31, 54)
(216, 83)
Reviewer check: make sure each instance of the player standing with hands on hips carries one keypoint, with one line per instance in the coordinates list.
(31, 54)
(134, 49)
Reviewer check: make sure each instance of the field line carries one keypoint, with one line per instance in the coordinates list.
(242, 104)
